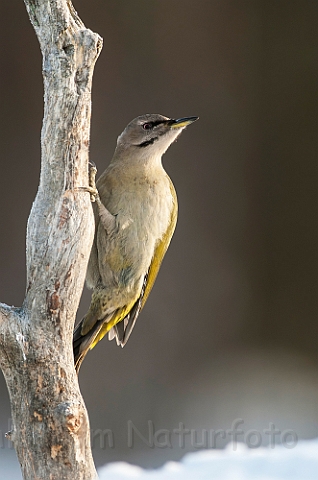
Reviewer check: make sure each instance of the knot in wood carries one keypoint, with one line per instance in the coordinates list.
(72, 415)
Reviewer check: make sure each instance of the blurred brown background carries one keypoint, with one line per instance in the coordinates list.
(230, 329)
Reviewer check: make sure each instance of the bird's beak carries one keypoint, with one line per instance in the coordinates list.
(182, 122)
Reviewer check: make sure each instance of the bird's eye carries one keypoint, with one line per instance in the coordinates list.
(147, 126)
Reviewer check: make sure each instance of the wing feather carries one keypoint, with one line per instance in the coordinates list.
(161, 247)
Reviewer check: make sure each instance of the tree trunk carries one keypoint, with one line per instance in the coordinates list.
(50, 423)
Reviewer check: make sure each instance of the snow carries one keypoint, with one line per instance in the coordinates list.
(239, 463)
(279, 463)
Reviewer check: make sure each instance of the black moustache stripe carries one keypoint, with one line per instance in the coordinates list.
(148, 142)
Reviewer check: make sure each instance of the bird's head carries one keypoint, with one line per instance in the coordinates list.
(150, 135)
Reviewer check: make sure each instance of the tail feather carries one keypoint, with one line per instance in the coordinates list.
(120, 325)
(82, 343)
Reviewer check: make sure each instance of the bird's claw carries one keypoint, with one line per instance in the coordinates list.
(92, 167)
(92, 189)
(91, 181)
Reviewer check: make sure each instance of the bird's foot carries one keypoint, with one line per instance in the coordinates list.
(92, 189)
(91, 182)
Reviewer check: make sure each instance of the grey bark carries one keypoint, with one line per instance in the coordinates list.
(50, 422)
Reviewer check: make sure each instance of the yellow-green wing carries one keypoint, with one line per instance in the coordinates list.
(162, 247)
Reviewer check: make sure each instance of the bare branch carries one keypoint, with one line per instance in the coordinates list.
(51, 428)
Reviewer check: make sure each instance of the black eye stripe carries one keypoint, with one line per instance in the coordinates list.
(150, 125)
(148, 142)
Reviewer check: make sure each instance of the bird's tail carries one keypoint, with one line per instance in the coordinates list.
(119, 324)
(82, 343)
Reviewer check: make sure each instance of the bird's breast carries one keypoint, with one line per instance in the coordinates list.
(144, 209)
